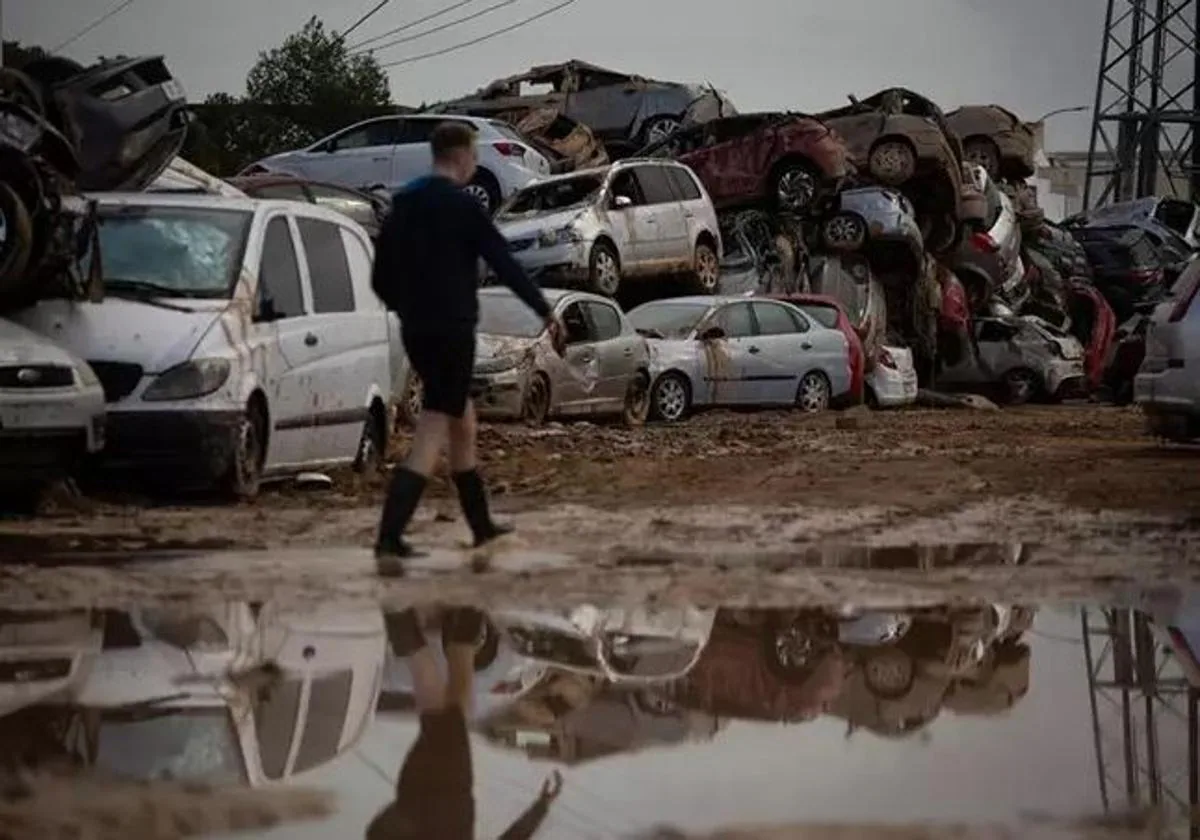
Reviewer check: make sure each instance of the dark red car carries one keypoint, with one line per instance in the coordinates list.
(366, 209)
(829, 313)
(784, 160)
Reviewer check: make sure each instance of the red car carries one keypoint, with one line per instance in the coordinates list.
(829, 312)
(784, 160)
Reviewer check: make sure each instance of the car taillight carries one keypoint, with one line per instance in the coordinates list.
(1185, 299)
(1145, 276)
(984, 242)
(509, 149)
(887, 360)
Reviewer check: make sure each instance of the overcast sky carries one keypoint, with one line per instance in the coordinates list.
(1031, 55)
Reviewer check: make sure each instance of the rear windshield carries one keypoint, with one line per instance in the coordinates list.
(826, 316)
(561, 194)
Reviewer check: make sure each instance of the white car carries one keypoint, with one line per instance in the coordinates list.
(239, 339)
(991, 257)
(51, 411)
(601, 227)
(387, 152)
(892, 382)
(1025, 357)
(43, 654)
(1167, 386)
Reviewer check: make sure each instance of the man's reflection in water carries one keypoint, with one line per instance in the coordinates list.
(433, 792)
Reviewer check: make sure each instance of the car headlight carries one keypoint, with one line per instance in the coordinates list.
(85, 377)
(562, 236)
(189, 380)
(500, 364)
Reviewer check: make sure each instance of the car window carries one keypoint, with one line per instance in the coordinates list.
(345, 202)
(995, 331)
(328, 269)
(284, 192)
(826, 316)
(325, 719)
(684, 184)
(275, 710)
(418, 131)
(625, 184)
(576, 323)
(735, 320)
(377, 133)
(774, 319)
(605, 321)
(655, 186)
(279, 273)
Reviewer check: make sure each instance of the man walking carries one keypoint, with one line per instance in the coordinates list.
(427, 271)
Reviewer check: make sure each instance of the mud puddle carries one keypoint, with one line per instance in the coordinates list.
(1021, 718)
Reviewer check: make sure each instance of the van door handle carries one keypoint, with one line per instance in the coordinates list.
(381, 159)
(628, 351)
(310, 340)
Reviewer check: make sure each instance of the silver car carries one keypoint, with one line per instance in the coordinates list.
(735, 351)
(874, 217)
(605, 368)
(601, 227)
(989, 263)
(1027, 357)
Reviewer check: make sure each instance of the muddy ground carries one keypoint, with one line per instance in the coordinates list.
(725, 494)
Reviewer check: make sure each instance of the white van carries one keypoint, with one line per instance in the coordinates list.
(238, 339)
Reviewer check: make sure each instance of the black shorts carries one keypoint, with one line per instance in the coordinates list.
(444, 361)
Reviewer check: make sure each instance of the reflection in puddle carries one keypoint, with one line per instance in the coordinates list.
(453, 723)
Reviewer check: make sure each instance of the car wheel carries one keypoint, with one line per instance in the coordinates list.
(670, 398)
(983, 151)
(244, 476)
(604, 270)
(795, 187)
(1021, 386)
(411, 401)
(792, 649)
(845, 232)
(706, 275)
(889, 672)
(813, 394)
(536, 406)
(943, 234)
(892, 162)
(484, 189)
(16, 237)
(658, 128)
(372, 446)
(637, 402)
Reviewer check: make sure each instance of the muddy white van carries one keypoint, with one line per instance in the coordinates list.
(238, 339)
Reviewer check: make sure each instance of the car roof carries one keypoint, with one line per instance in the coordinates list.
(809, 298)
(179, 199)
(552, 296)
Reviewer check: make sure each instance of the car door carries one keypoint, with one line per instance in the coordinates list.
(361, 156)
(342, 341)
(577, 387)
(616, 353)
(606, 102)
(698, 215)
(671, 249)
(782, 351)
(278, 337)
(738, 155)
(727, 361)
(414, 156)
(634, 226)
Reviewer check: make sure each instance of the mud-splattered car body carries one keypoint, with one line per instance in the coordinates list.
(848, 279)
(1023, 356)
(996, 139)
(784, 160)
(900, 139)
(625, 111)
(604, 369)
(763, 254)
(831, 313)
(875, 219)
(567, 143)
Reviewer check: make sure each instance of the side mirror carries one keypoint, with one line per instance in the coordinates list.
(712, 333)
(622, 201)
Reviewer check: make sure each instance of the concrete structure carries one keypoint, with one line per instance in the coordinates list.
(1062, 178)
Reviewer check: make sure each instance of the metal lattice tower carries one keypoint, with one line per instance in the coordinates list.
(1147, 103)
(1144, 717)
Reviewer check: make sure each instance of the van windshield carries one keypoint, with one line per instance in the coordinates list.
(186, 252)
(561, 194)
(182, 744)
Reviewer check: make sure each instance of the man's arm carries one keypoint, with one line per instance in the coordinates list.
(529, 822)
(490, 245)
(386, 267)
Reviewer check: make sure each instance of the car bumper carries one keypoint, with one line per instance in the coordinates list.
(1170, 390)
(48, 434)
(893, 388)
(195, 443)
(498, 396)
(559, 263)
(1066, 378)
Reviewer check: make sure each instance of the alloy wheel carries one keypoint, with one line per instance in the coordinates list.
(796, 189)
(670, 399)
(708, 270)
(814, 393)
(607, 277)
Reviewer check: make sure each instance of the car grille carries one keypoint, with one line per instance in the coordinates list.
(118, 378)
(34, 670)
(521, 244)
(36, 376)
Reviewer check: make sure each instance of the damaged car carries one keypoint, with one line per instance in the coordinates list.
(830, 313)
(988, 262)
(604, 370)
(602, 227)
(878, 220)
(368, 209)
(900, 139)
(624, 110)
(1175, 214)
(848, 279)
(568, 144)
(734, 351)
(996, 139)
(762, 253)
(782, 160)
(1025, 358)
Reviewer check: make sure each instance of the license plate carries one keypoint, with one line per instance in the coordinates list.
(16, 416)
(174, 91)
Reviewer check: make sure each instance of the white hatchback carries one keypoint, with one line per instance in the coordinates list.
(386, 152)
(892, 382)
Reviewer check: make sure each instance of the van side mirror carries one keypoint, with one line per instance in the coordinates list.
(712, 333)
(622, 201)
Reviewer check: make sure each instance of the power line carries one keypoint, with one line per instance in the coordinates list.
(412, 23)
(344, 35)
(438, 28)
(115, 10)
(481, 38)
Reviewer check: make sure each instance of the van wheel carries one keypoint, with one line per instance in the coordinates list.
(604, 270)
(706, 273)
(244, 476)
(372, 446)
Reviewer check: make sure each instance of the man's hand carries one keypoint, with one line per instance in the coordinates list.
(558, 333)
(552, 786)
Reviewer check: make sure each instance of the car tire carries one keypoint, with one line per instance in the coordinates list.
(658, 128)
(671, 398)
(814, 393)
(16, 238)
(604, 270)
(793, 648)
(485, 189)
(372, 446)
(982, 151)
(892, 161)
(1021, 386)
(636, 409)
(535, 407)
(409, 407)
(889, 672)
(844, 232)
(794, 186)
(243, 478)
(706, 270)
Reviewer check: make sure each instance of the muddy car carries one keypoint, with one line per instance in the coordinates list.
(782, 160)
(989, 262)
(568, 144)
(878, 220)
(368, 209)
(831, 313)
(849, 279)
(762, 253)
(996, 139)
(900, 139)
(624, 110)
(518, 375)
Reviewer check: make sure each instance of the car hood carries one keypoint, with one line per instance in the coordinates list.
(20, 346)
(121, 330)
(521, 227)
(489, 347)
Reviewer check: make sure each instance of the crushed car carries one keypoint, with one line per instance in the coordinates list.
(900, 139)
(568, 144)
(605, 369)
(878, 221)
(787, 162)
(762, 253)
(625, 111)
(1176, 214)
(848, 279)
(988, 262)
(892, 381)
(996, 139)
(1166, 386)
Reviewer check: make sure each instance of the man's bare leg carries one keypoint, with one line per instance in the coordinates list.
(472, 495)
(462, 630)
(405, 489)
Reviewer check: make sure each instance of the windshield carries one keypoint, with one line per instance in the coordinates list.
(175, 251)
(670, 320)
(555, 195)
(505, 314)
(183, 744)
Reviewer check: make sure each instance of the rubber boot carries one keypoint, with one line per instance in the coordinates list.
(403, 496)
(473, 498)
